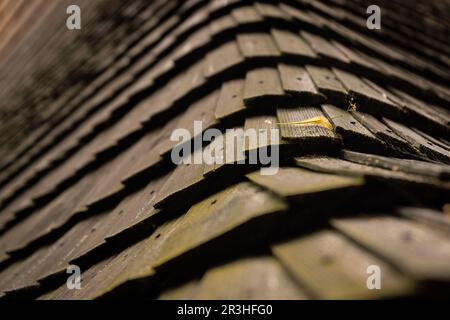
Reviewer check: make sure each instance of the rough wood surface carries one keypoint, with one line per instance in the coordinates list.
(332, 267)
(411, 245)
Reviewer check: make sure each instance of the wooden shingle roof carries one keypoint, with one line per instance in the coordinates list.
(87, 179)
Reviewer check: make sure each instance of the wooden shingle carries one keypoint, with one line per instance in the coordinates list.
(263, 88)
(328, 84)
(297, 83)
(257, 45)
(332, 267)
(415, 249)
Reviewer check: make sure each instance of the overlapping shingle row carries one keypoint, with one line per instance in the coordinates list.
(100, 189)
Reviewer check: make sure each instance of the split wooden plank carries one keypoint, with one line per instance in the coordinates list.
(397, 144)
(428, 148)
(437, 141)
(425, 116)
(297, 83)
(223, 58)
(50, 259)
(324, 48)
(415, 249)
(354, 135)
(314, 135)
(365, 98)
(257, 45)
(328, 84)
(332, 267)
(263, 88)
(427, 186)
(422, 168)
(415, 112)
(230, 102)
(292, 45)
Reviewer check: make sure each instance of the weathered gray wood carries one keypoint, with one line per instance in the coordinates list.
(195, 41)
(439, 142)
(221, 24)
(202, 110)
(136, 261)
(339, 166)
(271, 11)
(324, 48)
(397, 144)
(328, 84)
(218, 215)
(438, 114)
(301, 16)
(291, 44)
(423, 115)
(365, 98)
(423, 168)
(228, 152)
(54, 216)
(261, 277)
(332, 267)
(186, 178)
(184, 82)
(307, 125)
(246, 14)
(150, 157)
(257, 45)
(230, 100)
(223, 58)
(262, 123)
(432, 218)
(263, 88)
(354, 135)
(185, 291)
(290, 182)
(297, 83)
(428, 148)
(354, 57)
(414, 248)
